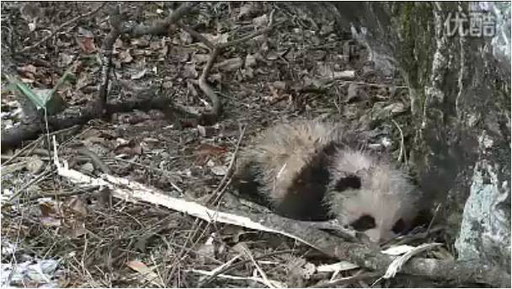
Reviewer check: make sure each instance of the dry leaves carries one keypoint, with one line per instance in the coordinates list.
(146, 272)
(129, 148)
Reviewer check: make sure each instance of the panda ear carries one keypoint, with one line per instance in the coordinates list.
(347, 182)
(399, 227)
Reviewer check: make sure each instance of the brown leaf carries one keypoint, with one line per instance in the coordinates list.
(143, 269)
(140, 42)
(50, 222)
(185, 38)
(76, 205)
(200, 58)
(125, 56)
(28, 68)
(190, 70)
(47, 209)
(163, 52)
(131, 148)
(260, 21)
(280, 85)
(87, 45)
(155, 45)
(249, 9)
(35, 164)
(118, 44)
(250, 60)
(210, 150)
(219, 170)
(77, 229)
(218, 38)
(27, 71)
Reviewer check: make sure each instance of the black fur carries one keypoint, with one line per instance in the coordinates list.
(305, 197)
(350, 181)
(364, 223)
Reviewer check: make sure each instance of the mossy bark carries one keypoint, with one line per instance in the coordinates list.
(460, 101)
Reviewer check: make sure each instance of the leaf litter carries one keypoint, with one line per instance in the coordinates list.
(82, 238)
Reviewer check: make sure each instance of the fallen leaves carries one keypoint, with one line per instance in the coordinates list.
(129, 148)
(230, 65)
(69, 215)
(204, 152)
(28, 71)
(145, 272)
(86, 41)
(139, 74)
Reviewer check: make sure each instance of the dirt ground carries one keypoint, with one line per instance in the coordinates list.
(297, 70)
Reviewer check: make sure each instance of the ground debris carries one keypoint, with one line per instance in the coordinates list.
(302, 67)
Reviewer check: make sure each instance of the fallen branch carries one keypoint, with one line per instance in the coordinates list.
(210, 117)
(161, 27)
(107, 51)
(13, 137)
(471, 272)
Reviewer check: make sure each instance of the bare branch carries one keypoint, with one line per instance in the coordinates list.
(197, 35)
(162, 26)
(364, 256)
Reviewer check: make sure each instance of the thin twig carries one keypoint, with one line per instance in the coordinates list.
(217, 195)
(205, 87)
(256, 279)
(402, 145)
(59, 195)
(239, 264)
(372, 84)
(263, 275)
(346, 280)
(107, 51)
(180, 190)
(221, 187)
(228, 263)
(184, 250)
(436, 211)
(197, 35)
(208, 117)
(251, 35)
(37, 44)
(37, 179)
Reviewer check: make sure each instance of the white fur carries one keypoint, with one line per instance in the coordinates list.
(282, 151)
(385, 194)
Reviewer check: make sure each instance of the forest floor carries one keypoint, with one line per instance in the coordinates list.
(306, 67)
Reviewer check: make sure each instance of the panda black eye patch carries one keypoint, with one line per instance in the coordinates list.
(364, 223)
(348, 182)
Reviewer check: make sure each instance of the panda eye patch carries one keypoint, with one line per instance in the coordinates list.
(364, 223)
(350, 181)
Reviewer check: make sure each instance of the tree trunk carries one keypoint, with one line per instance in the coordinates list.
(460, 100)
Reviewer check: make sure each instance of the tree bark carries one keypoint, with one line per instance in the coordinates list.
(460, 100)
